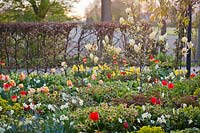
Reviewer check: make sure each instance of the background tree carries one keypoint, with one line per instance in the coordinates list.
(106, 14)
(35, 10)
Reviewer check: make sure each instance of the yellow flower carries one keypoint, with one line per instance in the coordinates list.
(74, 68)
(113, 74)
(132, 69)
(176, 72)
(138, 70)
(81, 68)
(95, 68)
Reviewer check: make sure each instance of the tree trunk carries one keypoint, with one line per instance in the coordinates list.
(106, 14)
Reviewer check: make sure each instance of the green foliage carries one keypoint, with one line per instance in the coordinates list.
(148, 129)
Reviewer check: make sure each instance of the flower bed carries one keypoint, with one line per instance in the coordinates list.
(100, 99)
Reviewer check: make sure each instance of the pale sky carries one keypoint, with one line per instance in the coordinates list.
(79, 8)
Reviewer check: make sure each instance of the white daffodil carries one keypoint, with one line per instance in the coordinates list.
(190, 45)
(153, 35)
(91, 56)
(130, 19)
(122, 20)
(137, 48)
(96, 59)
(132, 42)
(128, 10)
(184, 39)
(106, 38)
(117, 50)
(88, 46)
(184, 51)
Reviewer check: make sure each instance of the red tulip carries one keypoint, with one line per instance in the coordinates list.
(123, 73)
(151, 57)
(124, 61)
(164, 83)
(156, 61)
(125, 124)
(2, 63)
(14, 98)
(6, 87)
(84, 60)
(23, 93)
(158, 101)
(94, 116)
(109, 75)
(170, 85)
(192, 75)
(153, 100)
(27, 108)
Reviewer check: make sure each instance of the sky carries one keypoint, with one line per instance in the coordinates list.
(79, 8)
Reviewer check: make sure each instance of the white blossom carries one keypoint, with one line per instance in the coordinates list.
(120, 120)
(184, 39)
(128, 10)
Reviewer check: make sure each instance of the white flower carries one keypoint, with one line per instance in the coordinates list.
(63, 117)
(167, 116)
(73, 101)
(184, 39)
(190, 121)
(184, 51)
(122, 20)
(156, 66)
(128, 10)
(137, 48)
(166, 46)
(96, 59)
(66, 105)
(161, 119)
(120, 120)
(63, 63)
(132, 42)
(71, 123)
(30, 100)
(130, 19)
(50, 107)
(184, 105)
(2, 130)
(190, 45)
(88, 46)
(32, 106)
(25, 105)
(81, 102)
(117, 50)
(106, 39)
(138, 120)
(152, 121)
(173, 110)
(91, 56)
(143, 107)
(163, 95)
(1, 108)
(152, 35)
(146, 115)
(11, 112)
(53, 70)
(62, 69)
(162, 38)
